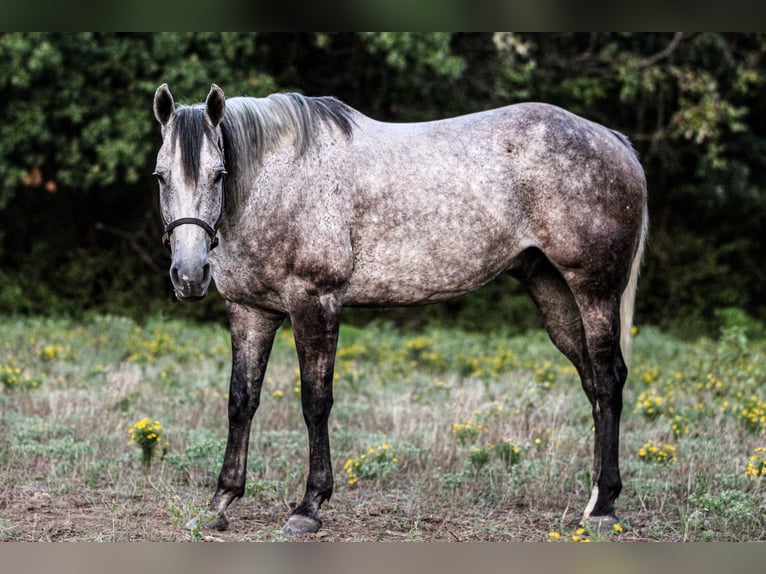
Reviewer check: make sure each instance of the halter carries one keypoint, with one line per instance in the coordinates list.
(212, 232)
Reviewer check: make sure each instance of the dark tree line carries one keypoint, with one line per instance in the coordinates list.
(78, 224)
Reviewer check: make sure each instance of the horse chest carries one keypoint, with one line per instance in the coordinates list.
(245, 280)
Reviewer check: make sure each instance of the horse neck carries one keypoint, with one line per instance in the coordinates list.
(272, 183)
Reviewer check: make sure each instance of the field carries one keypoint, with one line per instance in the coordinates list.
(437, 436)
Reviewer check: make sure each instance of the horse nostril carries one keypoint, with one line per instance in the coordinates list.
(174, 275)
(206, 273)
(190, 281)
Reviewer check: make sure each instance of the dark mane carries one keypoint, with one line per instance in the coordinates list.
(189, 128)
(254, 126)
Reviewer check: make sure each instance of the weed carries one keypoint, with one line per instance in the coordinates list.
(756, 464)
(377, 461)
(660, 453)
(508, 452)
(14, 378)
(146, 434)
(467, 432)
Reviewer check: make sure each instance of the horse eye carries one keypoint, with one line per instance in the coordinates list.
(219, 176)
(159, 177)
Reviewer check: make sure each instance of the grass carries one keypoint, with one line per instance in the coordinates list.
(436, 435)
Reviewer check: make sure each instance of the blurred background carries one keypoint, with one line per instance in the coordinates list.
(79, 227)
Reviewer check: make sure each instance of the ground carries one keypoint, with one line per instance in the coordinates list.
(362, 515)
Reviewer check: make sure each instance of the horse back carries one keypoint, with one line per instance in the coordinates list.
(440, 208)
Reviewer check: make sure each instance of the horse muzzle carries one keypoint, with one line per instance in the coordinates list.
(190, 281)
(190, 247)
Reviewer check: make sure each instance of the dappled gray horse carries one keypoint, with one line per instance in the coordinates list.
(312, 206)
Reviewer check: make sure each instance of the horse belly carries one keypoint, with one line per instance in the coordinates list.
(414, 263)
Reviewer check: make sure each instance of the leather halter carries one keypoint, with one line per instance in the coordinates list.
(212, 232)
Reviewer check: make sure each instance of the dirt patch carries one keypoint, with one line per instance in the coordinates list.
(360, 515)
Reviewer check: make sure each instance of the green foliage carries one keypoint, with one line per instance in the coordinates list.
(375, 462)
(201, 458)
(77, 107)
(418, 53)
(78, 208)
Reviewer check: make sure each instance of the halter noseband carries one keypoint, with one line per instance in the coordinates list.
(212, 232)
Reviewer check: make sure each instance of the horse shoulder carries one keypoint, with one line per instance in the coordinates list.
(308, 222)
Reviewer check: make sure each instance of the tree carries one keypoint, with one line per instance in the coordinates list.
(77, 205)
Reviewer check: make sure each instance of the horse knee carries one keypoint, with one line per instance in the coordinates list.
(316, 413)
(242, 410)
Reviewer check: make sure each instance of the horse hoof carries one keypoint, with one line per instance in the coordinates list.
(298, 524)
(209, 522)
(601, 523)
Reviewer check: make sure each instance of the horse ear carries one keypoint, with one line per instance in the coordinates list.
(164, 106)
(215, 105)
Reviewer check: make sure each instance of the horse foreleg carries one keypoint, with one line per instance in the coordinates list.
(315, 324)
(252, 336)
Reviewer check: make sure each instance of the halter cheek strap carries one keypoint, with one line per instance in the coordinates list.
(211, 232)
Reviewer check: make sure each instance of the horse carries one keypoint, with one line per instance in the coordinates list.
(300, 206)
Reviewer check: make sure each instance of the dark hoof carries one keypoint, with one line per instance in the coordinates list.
(298, 524)
(208, 521)
(601, 523)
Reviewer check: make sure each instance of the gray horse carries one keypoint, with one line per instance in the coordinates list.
(312, 206)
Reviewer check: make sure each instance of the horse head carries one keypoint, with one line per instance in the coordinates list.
(190, 171)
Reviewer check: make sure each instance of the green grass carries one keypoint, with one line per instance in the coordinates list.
(490, 432)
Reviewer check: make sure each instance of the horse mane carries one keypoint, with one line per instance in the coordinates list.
(253, 127)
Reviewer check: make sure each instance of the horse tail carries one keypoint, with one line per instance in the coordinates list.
(628, 300)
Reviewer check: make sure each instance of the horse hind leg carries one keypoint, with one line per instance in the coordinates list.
(552, 295)
(587, 332)
(605, 308)
(601, 322)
